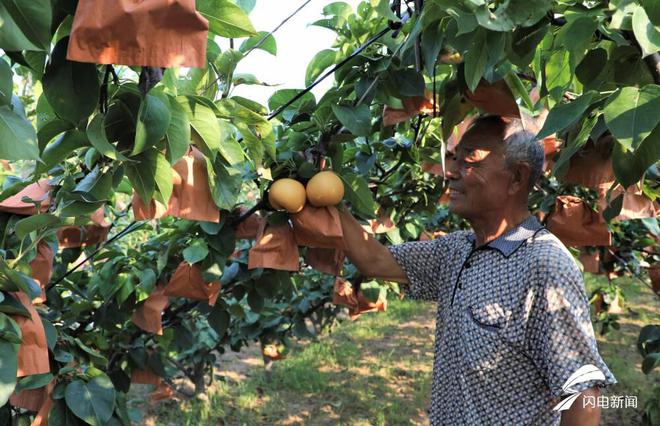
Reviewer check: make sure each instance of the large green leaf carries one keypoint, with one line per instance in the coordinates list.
(476, 59)
(225, 182)
(356, 119)
(142, 175)
(34, 223)
(564, 115)
(92, 401)
(204, 123)
(178, 133)
(629, 167)
(25, 25)
(225, 18)
(99, 139)
(319, 63)
(71, 88)
(511, 13)
(632, 113)
(307, 103)
(359, 195)
(6, 83)
(647, 34)
(558, 73)
(8, 361)
(196, 252)
(61, 148)
(269, 44)
(407, 82)
(230, 149)
(163, 177)
(18, 140)
(153, 122)
(576, 141)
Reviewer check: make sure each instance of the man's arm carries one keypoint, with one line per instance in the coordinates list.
(371, 258)
(578, 415)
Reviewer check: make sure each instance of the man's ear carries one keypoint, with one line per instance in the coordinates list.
(521, 173)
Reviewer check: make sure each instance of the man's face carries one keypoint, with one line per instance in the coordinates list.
(478, 177)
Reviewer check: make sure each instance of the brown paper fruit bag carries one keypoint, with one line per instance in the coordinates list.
(576, 224)
(145, 377)
(325, 260)
(148, 315)
(592, 165)
(87, 235)
(275, 248)
(187, 281)
(654, 274)
(344, 294)
(249, 228)
(364, 305)
(494, 98)
(191, 195)
(33, 352)
(156, 33)
(36, 400)
(318, 227)
(42, 268)
(38, 191)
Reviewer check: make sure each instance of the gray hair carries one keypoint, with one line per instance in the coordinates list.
(521, 144)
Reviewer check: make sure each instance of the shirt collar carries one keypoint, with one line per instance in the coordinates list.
(511, 240)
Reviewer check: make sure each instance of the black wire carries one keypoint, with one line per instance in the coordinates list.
(328, 73)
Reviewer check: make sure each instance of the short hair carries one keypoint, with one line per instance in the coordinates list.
(520, 142)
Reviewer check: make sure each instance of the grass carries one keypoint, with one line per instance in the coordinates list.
(377, 371)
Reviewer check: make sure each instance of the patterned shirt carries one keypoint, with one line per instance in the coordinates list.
(512, 324)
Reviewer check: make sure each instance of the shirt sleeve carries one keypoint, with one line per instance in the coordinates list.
(559, 334)
(423, 262)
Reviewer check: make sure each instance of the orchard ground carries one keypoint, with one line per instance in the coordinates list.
(377, 371)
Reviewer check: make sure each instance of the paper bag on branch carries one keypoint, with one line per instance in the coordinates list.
(318, 227)
(592, 165)
(42, 268)
(191, 195)
(412, 107)
(344, 294)
(156, 33)
(249, 227)
(38, 191)
(148, 315)
(364, 305)
(654, 274)
(36, 400)
(576, 224)
(145, 377)
(329, 261)
(187, 281)
(33, 352)
(590, 261)
(635, 204)
(494, 98)
(87, 235)
(274, 248)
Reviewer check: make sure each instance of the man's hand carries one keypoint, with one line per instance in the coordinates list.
(579, 415)
(371, 258)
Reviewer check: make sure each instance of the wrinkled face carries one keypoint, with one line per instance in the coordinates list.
(478, 177)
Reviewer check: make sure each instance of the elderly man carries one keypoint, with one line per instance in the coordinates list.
(513, 318)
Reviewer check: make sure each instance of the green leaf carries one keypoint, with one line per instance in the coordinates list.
(34, 381)
(18, 140)
(511, 13)
(575, 142)
(219, 319)
(631, 114)
(99, 139)
(307, 103)
(225, 18)
(58, 150)
(565, 115)
(164, 179)
(476, 59)
(225, 183)
(13, 280)
(92, 402)
(71, 88)
(25, 25)
(383, 8)
(650, 362)
(204, 123)
(142, 175)
(319, 63)
(230, 149)
(432, 40)
(255, 301)
(629, 167)
(269, 44)
(33, 223)
(153, 122)
(652, 8)
(558, 73)
(178, 133)
(6, 82)
(359, 195)
(407, 82)
(11, 306)
(196, 252)
(356, 119)
(593, 68)
(647, 34)
(8, 361)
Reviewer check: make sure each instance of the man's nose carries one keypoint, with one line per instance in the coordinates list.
(452, 168)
